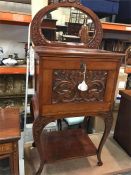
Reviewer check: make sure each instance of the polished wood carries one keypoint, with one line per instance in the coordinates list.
(58, 150)
(126, 94)
(38, 38)
(122, 133)
(9, 136)
(59, 71)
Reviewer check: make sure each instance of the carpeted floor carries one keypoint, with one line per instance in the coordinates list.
(115, 159)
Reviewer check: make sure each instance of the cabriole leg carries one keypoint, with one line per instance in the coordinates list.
(38, 126)
(108, 119)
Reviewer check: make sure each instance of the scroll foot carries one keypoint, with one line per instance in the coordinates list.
(100, 163)
(108, 119)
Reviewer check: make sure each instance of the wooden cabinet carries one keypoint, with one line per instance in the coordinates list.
(57, 96)
(57, 62)
(122, 133)
(62, 76)
(60, 68)
(9, 136)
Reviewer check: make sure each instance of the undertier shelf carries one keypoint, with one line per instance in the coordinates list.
(67, 144)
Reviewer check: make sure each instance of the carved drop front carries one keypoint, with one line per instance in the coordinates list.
(65, 86)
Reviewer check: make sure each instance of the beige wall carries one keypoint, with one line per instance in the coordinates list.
(36, 5)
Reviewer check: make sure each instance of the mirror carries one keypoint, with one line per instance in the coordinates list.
(68, 24)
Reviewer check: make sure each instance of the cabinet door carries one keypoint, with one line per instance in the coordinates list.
(60, 80)
(5, 167)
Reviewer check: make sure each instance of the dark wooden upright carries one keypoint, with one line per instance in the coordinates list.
(122, 133)
(59, 71)
(9, 136)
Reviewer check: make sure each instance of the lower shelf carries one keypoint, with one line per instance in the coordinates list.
(66, 144)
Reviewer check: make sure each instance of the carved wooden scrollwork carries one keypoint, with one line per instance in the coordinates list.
(38, 126)
(65, 86)
(40, 40)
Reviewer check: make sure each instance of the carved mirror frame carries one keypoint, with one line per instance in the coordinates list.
(39, 39)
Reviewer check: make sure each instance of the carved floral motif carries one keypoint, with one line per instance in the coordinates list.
(65, 86)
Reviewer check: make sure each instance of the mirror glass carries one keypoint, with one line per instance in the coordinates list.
(68, 24)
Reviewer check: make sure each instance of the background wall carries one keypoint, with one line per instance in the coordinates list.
(10, 47)
(15, 7)
(13, 39)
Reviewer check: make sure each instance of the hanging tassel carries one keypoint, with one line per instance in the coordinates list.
(83, 86)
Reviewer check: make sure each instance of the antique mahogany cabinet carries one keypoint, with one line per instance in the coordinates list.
(71, 79)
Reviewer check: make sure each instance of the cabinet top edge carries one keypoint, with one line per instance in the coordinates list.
(75, 51)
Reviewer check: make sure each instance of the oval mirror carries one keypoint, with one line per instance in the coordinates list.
(66, 24)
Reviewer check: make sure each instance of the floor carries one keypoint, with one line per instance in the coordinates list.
(114, 157)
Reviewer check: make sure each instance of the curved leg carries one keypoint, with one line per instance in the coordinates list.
(108, 119)
(38, 125)
(40, 168)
